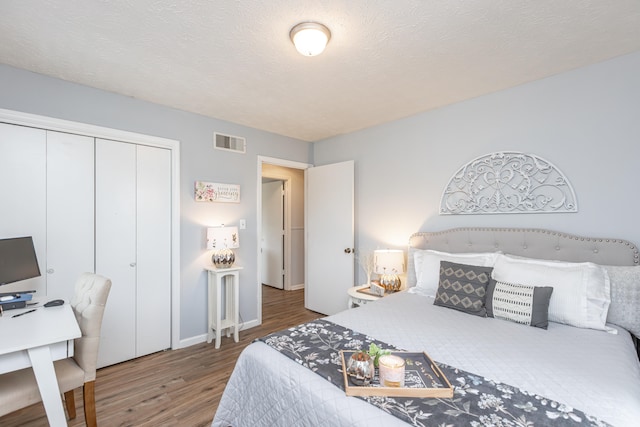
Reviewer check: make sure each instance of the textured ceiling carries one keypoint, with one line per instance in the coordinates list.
(387, 59)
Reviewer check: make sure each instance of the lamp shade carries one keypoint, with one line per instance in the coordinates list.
(310, 38)
(388, 261)
(222, 238)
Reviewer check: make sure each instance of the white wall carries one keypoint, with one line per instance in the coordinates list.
(36, 94)
(586, 122)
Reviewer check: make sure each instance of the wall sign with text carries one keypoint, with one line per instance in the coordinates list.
(215, 192)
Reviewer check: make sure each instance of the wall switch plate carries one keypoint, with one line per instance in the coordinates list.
(243, 224)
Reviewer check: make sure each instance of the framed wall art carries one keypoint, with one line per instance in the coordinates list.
(215, 192)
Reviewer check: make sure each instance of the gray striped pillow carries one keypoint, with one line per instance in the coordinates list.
(525, 304)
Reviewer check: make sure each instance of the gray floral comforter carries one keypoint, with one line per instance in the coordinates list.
(476, 402)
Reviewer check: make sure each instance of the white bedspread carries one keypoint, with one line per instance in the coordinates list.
(592, 371)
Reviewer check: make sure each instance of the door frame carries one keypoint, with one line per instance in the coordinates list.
(54, 124)
(288, 164)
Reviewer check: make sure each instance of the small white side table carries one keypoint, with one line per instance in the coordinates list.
(358, 298)
(230, 278)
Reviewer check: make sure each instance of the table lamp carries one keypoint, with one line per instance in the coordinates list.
(388, 263)
(222, 240)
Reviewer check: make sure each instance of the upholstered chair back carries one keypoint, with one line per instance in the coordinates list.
(88, 303)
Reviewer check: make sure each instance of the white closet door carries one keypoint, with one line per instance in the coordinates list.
(70, 218)
(153, 316)
(23, 194)
(116, 247)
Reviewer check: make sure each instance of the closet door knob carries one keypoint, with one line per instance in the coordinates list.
(50, 271)
(347, 251)
(133, 264)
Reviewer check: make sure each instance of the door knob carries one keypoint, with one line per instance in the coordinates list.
(50, 271)
(133, 264)
(347, 251)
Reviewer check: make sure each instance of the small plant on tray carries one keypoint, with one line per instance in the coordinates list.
(375, 352)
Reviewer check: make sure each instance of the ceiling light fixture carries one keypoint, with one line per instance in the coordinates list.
(310, 38)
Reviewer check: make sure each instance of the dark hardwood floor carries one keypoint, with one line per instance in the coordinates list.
(174, 388)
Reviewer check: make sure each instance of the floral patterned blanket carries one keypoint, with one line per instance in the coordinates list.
(476, 401)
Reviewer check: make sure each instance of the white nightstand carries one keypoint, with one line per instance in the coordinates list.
(217, 277)
(357, 299)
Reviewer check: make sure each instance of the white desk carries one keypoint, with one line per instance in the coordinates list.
(37, 339)
(217, 277)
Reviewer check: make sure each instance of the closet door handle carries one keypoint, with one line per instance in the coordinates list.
(50, 271)
(133, 264)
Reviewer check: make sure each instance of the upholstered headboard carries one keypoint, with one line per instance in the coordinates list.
(528, 242)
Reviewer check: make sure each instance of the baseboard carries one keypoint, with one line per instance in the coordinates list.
(250, 324)
(188, 342)
(297, 287)
(193, 341)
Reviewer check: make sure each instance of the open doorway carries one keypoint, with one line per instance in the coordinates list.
(272, 241)
(282, 236)
(281, 251)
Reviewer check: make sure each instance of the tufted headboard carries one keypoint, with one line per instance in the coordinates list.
(527, 242)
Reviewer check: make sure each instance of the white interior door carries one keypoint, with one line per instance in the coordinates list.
(153, 259)
(116, 247)
(272, 249)
(46, 183)
(23, 203)
(133, 248)
(329, 264)
(70, 215)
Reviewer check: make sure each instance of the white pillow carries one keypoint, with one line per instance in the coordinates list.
(427, 266)
(581, 291)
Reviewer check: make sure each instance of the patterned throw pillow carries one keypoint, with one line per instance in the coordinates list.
(524, 304)
(625, 297)
(463, 287)
(427, 266)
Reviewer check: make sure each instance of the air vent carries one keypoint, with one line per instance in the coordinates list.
(229, 143)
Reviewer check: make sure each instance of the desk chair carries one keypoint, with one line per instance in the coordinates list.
(19, 389)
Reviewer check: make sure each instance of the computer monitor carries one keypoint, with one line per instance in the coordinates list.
(17, 260)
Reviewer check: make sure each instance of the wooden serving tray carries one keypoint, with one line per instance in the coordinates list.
(423, 378)
(367, 291)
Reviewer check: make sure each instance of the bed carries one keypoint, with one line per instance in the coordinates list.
(567, 367)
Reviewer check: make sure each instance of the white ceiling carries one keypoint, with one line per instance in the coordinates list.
(387, 59)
